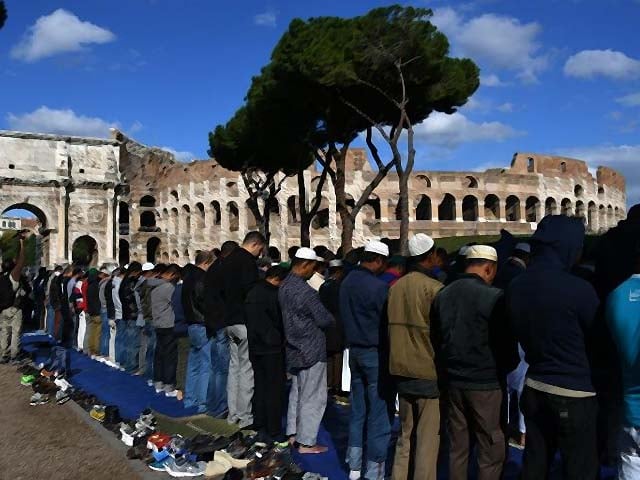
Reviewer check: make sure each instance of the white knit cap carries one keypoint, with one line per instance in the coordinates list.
(420, 243)
(463, 250)
(523, 247)
(335, 263)
(375, 246)
(147, 266)
(482, 252)
(306, 253)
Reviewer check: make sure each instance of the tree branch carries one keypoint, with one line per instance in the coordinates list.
(374, 150)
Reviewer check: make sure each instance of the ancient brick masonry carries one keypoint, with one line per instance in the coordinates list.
(139, 203)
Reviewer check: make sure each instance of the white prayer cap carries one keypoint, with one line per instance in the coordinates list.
(482, 252)
(523, 247)
(126, 266)
(420, 243)
(375, 246)
(335, 263)
(147, 266)
(463, 250)
(306, 253)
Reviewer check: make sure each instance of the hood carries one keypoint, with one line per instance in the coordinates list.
(558, 239)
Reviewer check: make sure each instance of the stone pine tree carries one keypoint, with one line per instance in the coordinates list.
(3, 14)
(384, 71)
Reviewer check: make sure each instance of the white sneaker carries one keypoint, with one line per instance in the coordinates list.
(150, 382)
(354, 475)
(172, 393)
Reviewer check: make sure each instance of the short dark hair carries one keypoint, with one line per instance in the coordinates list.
(76, 271)
(174, 269)
(160, 268)
(274, 253)
(292, 251)
(423, 256)
(442, 253)
(227, 247)
(276, 271)
(353, 256)
(204, 256)
(58, 268)
(368, 257)
(264, 262)
(134, 267)
(299, 261)
(254, 237)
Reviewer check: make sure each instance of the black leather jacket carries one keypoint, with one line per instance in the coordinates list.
(193, 300)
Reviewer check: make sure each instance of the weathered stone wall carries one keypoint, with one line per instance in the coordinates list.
(139, 203)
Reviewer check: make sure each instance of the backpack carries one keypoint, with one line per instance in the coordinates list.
(7, 293)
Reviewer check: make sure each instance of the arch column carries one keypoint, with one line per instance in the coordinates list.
(112, 233)
(284, 226)
(459, 215)
(503, 210)
(523, 212)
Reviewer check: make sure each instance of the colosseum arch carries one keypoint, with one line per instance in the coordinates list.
(175, 196)
(550, 206)
(422, 181)
(252, 222)
(320, 220)
(532, 209)
(580, 210)
(123, 252)
(566, 207)
(123, 218)
(234, 216)
(492, 208)
(186, 219)
(147, 221)
(512, 208)
(174, 224)
(470, 182)
(470, 209)
(147, 201)
(216, 214)
(393, 205)
(293, 207)
(423, 208)
(578, 190)
(199, 221)
(153, 245)
(447, 208)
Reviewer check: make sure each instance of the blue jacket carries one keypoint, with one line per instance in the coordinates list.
(553, 311)
(363, 298)
(623, 318)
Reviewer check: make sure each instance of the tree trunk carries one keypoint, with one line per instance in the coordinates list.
(305, 218)
(346, 236)
(403, 202)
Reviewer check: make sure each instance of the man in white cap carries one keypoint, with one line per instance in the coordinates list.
(363, 297)
(304, 320)
(412, 362)
(476, 350)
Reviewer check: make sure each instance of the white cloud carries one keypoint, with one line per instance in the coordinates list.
(62, 122)
(56, 33)
(265, 19)
(495, 40)
(492, 80)
(181, 156)
(632, 100)
(135, 127)
(623, 158)
(505, 107)
(450, 131)
(604, 63)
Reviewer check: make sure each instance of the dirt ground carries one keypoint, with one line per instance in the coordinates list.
(53, 442)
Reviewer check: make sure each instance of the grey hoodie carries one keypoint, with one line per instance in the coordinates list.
(161, 307)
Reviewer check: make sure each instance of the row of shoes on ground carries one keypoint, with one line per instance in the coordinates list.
(45, 384)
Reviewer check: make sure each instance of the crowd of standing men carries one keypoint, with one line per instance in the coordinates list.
(445, 343)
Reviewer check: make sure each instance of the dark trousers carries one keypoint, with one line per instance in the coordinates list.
(568, 424)
(477, 413)
(268, 395)
(334, 372)
(165, 361)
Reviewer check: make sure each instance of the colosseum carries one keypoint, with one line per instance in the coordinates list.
(135, 202)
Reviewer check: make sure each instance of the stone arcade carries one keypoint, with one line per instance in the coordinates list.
(138, 203)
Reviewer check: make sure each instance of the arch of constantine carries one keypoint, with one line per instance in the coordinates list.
(139, 203)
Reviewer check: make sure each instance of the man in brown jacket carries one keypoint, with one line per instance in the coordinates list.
(412, 362)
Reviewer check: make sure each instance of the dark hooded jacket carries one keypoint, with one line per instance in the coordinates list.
(264, 320)
(128, 298)
(552, 311)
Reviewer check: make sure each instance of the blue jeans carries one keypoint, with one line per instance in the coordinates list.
(132, 346)
(198, 369)
(50, 320)
(217, 391)
(121, 340)
(104, 335)
(372, 401)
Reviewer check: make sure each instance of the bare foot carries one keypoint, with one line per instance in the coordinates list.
(315, 449)
(180, 395)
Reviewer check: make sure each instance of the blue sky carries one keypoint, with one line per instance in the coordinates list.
(558, 76)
